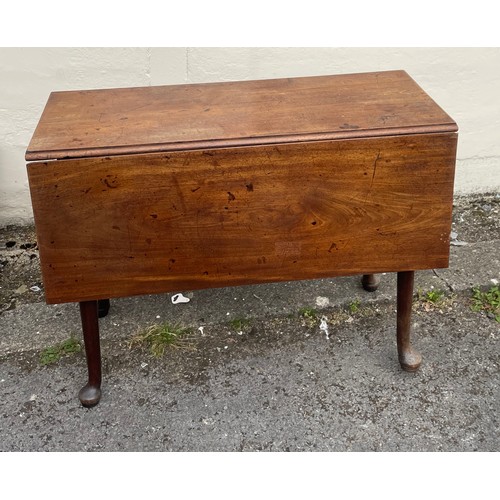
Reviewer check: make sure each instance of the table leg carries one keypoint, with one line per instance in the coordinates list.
(370, 282)
(90, 394)
(409, 358)
(103, 307)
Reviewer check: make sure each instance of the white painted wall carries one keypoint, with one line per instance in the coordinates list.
(465, 82)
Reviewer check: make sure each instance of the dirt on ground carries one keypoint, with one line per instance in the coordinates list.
(20, 276)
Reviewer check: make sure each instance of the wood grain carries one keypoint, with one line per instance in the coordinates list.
(126, 225)
(104, 122)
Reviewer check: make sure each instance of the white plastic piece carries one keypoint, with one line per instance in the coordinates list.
(178, 298)
(323, 326)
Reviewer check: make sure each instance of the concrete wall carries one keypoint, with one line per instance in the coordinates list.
(464, 81)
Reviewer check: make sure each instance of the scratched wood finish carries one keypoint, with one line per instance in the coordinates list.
(126, 225)
(90, 123)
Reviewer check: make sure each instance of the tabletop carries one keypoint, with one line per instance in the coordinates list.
(106, 122)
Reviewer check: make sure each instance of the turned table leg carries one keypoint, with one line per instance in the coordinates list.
(103, 307)
(90, 394)
(370, 282)
(409, 358)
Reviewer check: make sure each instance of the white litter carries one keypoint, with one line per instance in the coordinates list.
(322, 301)
(22, 289)
(455, 242)
(35, 288)
(201, 330)
(178, 298)
(494, 281)
(323, 326)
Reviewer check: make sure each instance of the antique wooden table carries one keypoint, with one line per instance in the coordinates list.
(168, 188)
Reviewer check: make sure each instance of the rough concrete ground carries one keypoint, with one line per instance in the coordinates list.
(261, 376)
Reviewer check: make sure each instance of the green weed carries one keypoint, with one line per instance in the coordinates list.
(434, 300)
(239, 323)
(308, 313)
(433, 296)
(488, 301)
(53, 354)
(354, 306)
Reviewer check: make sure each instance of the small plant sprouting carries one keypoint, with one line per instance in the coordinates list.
(239, 324)
(433, 299)
(308, 313)
(432, 296)
(488, 301)
(354, 306)
(309, 316)
(54, 353)
(160, 337)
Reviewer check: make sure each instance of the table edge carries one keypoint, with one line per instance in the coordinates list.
(33, 155)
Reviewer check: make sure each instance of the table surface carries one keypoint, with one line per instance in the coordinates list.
(106, 122)
(219, 195)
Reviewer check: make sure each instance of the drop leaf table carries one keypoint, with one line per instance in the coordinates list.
(183, 187)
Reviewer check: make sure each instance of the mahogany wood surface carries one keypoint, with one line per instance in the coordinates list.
(136, 224)
(87, 123)
(90, 394)
(409, 359)
(370, 282)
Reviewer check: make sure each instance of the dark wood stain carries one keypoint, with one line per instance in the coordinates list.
(169, 118)
(316, 215)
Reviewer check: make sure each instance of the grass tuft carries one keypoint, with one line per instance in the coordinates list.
(239, 323)
(160, 337)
